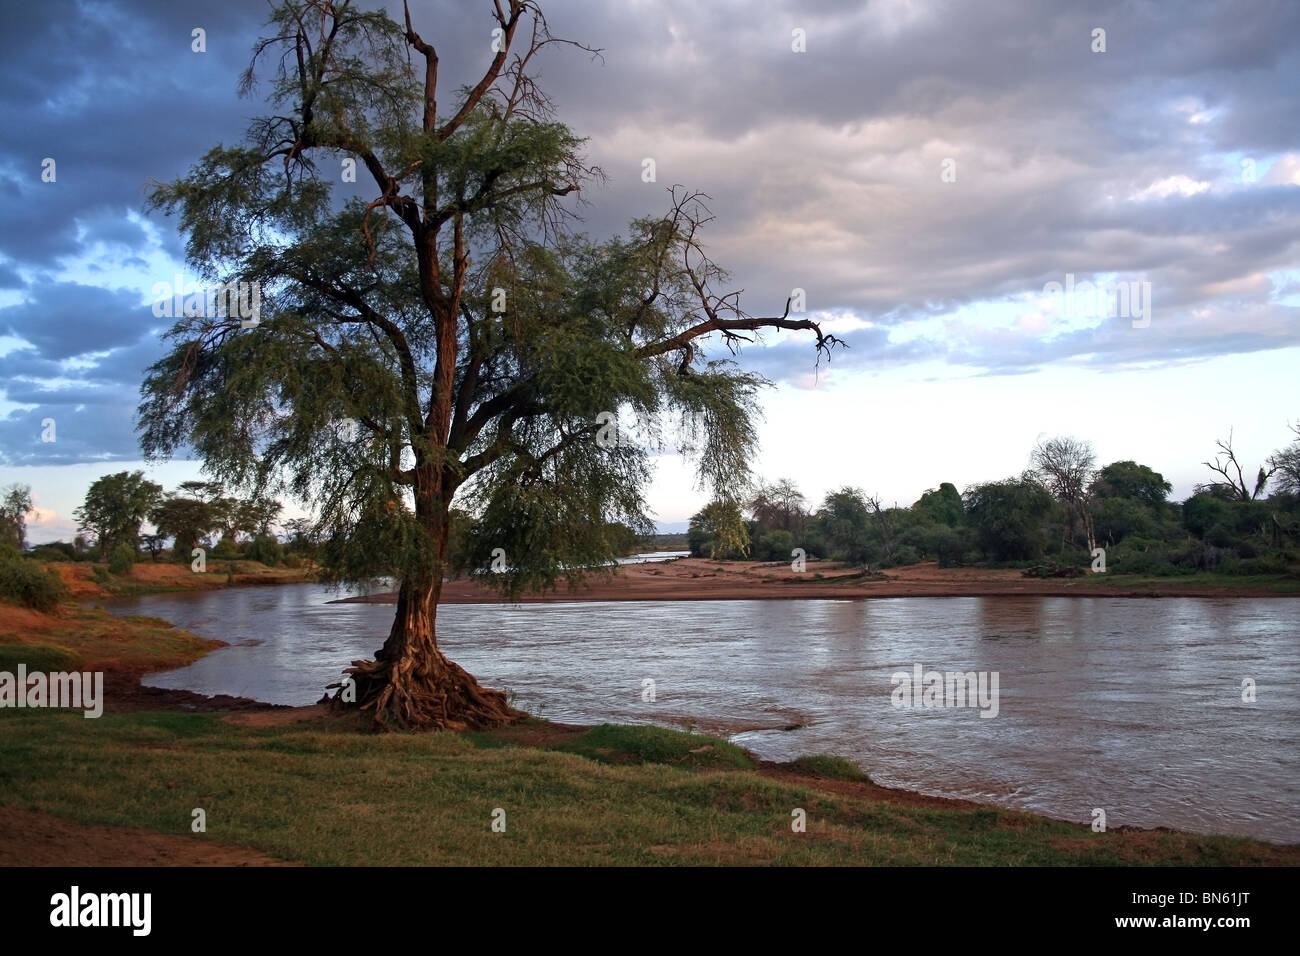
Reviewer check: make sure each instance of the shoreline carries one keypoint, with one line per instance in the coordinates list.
(701, 579)
(691, 579)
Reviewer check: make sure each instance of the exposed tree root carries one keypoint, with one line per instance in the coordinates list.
(441, 695)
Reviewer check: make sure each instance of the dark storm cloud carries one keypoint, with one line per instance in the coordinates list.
(823, 168)
(68, 319)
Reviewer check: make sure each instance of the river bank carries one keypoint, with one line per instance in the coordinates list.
(160, 577)
(701, 579)
(300, 783)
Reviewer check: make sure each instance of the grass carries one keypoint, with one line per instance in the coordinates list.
(642, 744)
(326, 794)
(830, 767)
(93, 639)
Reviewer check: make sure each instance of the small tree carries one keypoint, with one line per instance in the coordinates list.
(1064, 466)
(184, 519)
(14, 507)
(1285, 465)
(115, 507)
(718, 531)
(844, 519)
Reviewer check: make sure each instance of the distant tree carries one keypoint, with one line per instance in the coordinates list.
(303, 537)
(1233, 485)
(14, 506)
(844, 522)
(941, 506)
(1009, 517)
(1285, 465)
(1204, 510)
(887, 526)
(115, 507)
(187, 520)
(1128, 479)
(718, 531)
(255, 516)
(779, 506)
(1064, 466)
(154, 544)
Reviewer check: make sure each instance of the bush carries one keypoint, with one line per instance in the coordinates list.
(774, 546)
(225, 549)
(902, 558)
(267, 549)
(1202, 556)
(1268, 564)
(55, 551)
(122, 560)
(28, 584)
(100, 573)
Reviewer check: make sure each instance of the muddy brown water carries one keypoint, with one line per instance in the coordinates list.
(1133, 706)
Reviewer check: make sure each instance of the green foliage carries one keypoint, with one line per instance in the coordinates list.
(14, 506)
(843, 522)
(99, 574)
(774, 546)
(28, 584)
(942, 506)
(614, 743)
(1128, 479)
(1010, 517)
(452, 341)
(55, 551)
(265, 548)
(829, 766)
(718, 531)
(122, 559)
(115, 507)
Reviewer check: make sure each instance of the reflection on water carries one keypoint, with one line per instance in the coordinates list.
(1131, 705)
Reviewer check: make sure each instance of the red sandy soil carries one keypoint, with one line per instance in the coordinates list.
(699, 579)
(28, 838)
(169, 575)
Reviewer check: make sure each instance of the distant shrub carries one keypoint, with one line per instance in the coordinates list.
(265, 548)
(902, 557)
(1202, 556)
(100, 573)
(122, 560)
(29, 584)
(226, 548)
(294, 561)
(1268, 564)
(55, 551)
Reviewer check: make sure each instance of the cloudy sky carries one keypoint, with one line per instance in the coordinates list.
(925, 171)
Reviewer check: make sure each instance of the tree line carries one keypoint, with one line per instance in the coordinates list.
(1061, 509)
(196, 514)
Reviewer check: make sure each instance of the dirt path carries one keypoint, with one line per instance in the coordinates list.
(28, 838)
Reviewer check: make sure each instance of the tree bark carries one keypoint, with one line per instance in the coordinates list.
(411, 684)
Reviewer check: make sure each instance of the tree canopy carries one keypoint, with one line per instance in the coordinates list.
(440, 332)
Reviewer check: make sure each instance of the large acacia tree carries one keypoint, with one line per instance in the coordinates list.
(438, 331)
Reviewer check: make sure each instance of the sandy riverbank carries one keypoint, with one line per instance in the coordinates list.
(698, 579)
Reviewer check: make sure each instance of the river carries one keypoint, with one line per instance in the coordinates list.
(1133, 706)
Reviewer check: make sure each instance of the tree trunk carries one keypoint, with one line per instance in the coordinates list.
(411, 684)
